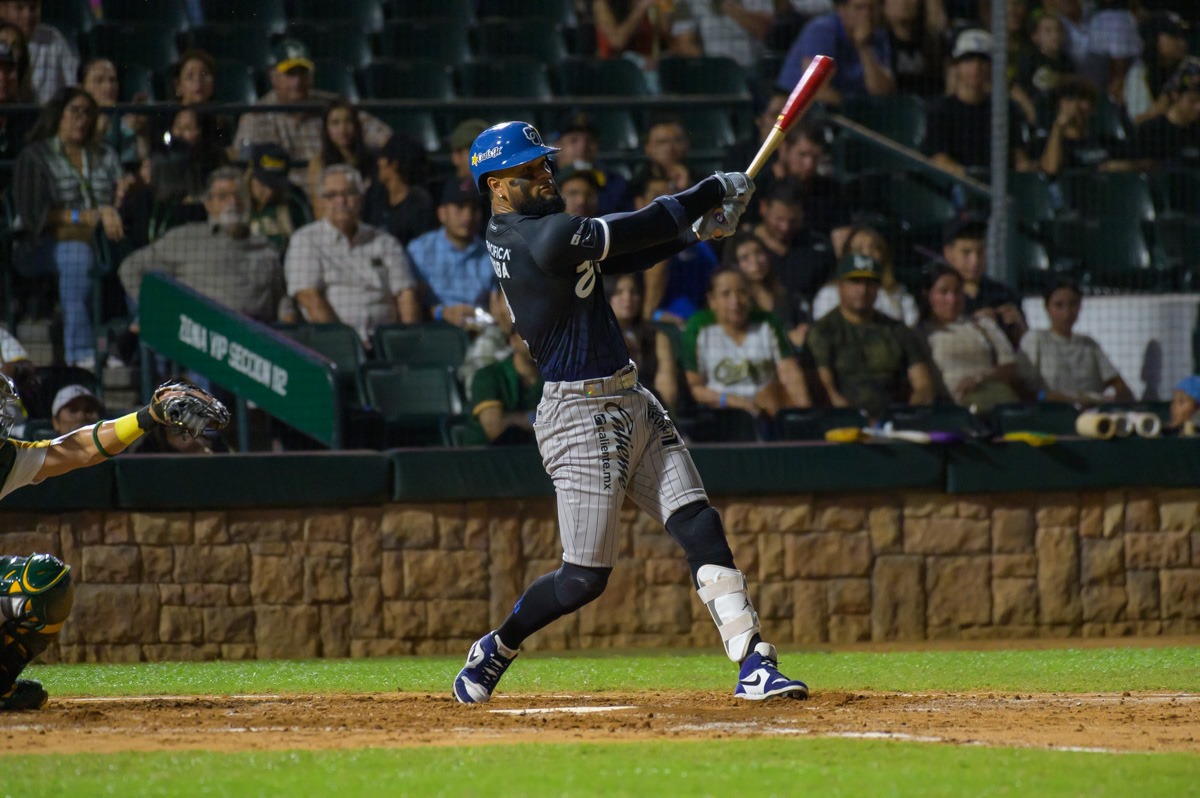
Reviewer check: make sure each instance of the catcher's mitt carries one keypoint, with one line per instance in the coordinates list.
(187, 407)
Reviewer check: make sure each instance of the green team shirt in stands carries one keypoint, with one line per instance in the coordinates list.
(731, 367)
(498, 384)
(869, 361)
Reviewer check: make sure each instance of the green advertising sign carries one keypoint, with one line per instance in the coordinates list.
(289, 381)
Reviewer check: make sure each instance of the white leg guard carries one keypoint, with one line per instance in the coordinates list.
(723, 591)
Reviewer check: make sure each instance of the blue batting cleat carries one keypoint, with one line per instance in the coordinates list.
(485, 665)
(760, 677)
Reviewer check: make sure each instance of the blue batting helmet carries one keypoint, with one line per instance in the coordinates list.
(504, 145)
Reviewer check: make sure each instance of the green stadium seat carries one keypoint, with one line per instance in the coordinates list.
(334, 75)
(133, 44)
(454, 430)
(429, 344)
(533, 38)
(900, 117)
(133, 79)
(168, 13)
(419, 125)
(852, 156)
(719, 425)
(406, 80)
(811, 424)
(233, 81)
(1177, 249)
(1177, 191)
(237, 41)
(1030, 259)
(920, 206)
(428, 40)
(511, 77)
(934, 418)
(555, 11)
(1109, 253)
(616, 129)
(270, 15)
(599, 77)
(1109, 122)
(707, 128)
(1033, 202)
(412, 401)
(71, 17)
(365, 15)
(1121, 196)
(333, 41)
(341, 344)
(702, 75)
(431, 9)
(1051, 418)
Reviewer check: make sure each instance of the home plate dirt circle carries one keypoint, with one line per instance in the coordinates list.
(1110, 722)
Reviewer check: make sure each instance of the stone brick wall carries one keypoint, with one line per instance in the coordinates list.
(412, 579)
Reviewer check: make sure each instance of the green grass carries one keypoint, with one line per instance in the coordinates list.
(1058, 670)
(793, 765)
(764, 767)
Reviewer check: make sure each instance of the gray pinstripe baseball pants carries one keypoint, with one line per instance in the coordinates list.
(600, 440)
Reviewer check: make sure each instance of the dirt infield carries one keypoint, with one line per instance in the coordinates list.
(1108, 722)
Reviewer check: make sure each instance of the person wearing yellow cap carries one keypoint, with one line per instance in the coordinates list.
(298, 132)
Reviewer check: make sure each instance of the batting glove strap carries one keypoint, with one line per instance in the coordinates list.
(737, 185)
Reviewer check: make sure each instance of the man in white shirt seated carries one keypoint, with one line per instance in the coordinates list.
(341, 270)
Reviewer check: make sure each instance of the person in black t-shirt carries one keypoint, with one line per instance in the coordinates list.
(1042, 65)
(914, 28)
(601, 435)
(1174, 137)
(958, 135)
(1071, 143)
(396, 202)
(802, 257)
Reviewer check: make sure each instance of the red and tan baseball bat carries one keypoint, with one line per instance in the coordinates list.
(819, 71)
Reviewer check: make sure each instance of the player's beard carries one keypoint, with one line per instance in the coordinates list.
(541, 206)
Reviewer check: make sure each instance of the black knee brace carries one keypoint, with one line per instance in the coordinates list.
(697, 528)
(577, 585)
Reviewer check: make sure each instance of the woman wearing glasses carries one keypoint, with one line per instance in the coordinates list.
(66, 186)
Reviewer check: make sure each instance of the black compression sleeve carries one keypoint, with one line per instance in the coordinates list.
(645, 258)
(657, 223)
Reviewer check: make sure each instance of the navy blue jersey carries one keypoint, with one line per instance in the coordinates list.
(549, 270)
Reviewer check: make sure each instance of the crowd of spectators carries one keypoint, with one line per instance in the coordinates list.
(317, 211)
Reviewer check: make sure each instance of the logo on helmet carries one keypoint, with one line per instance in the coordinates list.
(485, 155)
(531, 133)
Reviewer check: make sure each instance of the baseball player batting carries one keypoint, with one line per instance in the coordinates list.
(36, 592)
(601, 435)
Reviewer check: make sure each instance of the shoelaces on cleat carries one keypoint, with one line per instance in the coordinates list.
(493, 669)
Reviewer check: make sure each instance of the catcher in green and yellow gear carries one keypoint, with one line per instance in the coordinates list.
(36, 591)
(36, 594)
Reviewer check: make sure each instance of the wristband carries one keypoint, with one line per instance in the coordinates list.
(74, 216)
(96, 440)
(437, 313)
(129, 427)
(656, 315)
(724, 400)
(1041, 396)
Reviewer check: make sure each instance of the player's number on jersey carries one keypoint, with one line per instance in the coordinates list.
(587, 279)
